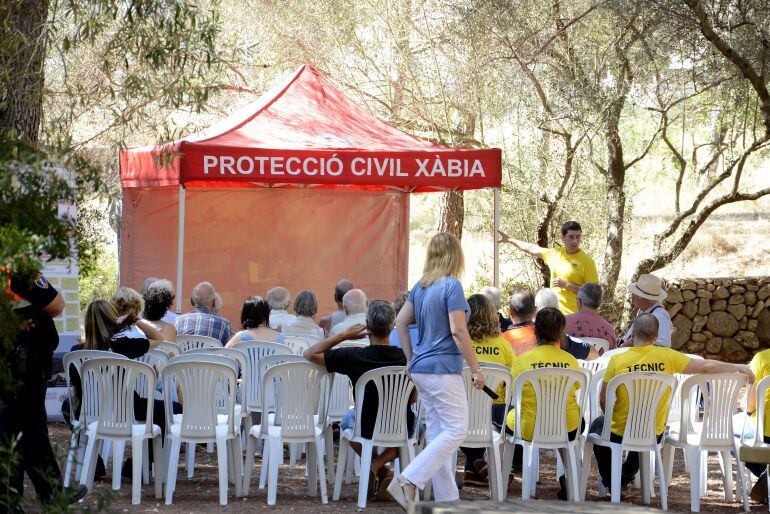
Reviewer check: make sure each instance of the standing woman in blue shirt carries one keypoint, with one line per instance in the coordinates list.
(435, 362)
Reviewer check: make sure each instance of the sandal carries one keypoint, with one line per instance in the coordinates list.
(396, 490)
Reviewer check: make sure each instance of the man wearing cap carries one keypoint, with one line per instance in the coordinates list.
(647, 296)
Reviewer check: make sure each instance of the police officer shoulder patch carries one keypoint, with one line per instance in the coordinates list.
(41, 282)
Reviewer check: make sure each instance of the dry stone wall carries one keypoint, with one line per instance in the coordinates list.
(720, 318)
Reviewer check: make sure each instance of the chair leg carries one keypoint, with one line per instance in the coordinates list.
(251, 446)
(71, 457)
(366, 465)
(535, 476)
(742, 489)
(704, 470)
(694, 456)
(238, 464)
(527, 471)
(586, 468)
(276, 446)
(311, 469)
(158, 471)
(265, 462)
(189, 458)
(644, 476)
(668, 460)
(222, 465)
(117, 463)
(664, 480)
(571, 472)
(495, 484)
(617, 464)
(351, 458)
(342, 460)
(727, 475)
(89, 464)
(171, 468)
(507, 463)
(321, 470)
(329, 449)
(137, 462)
(81, 454)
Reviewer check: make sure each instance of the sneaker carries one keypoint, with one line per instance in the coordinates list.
(759, 491)
(471, 477)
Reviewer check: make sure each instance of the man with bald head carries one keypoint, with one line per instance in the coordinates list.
(279, 299)
(201, 320)
(327, 322)
(354, 305)
(645, 355)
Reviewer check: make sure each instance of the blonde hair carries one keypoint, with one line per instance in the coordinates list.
(127, 301)
(100, 325)
(444, 258)
(483, 321)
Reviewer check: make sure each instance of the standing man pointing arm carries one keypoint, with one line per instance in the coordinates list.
(570, 266)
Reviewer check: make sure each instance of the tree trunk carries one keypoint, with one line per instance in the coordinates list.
(615, 207)
(452, 213)
(21, 67)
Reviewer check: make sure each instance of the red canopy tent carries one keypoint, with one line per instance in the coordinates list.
(300, 188)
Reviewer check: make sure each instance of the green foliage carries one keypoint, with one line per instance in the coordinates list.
(100, 279)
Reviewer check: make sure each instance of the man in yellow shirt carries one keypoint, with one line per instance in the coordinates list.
(645, 356)
(760, 366)
(549, 329)
(570, 266)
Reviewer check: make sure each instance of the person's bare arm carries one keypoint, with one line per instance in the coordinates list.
(168, 332)
(152, 333)
(708, 366)
(560, 282)
(315, 353)
(233, 340)
(751, 401)
(326, 323)
(529, 248)
(459, 329)
(56, 306)
(403, 320)
(603, 397)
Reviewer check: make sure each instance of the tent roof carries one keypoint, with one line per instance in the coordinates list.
(307, 133)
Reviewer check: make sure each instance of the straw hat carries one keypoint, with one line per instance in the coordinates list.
(649, 287)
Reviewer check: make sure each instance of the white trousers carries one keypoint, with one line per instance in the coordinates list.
(446, 418)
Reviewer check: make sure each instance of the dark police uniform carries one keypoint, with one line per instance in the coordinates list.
(23, 408)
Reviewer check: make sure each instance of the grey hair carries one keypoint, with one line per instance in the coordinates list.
(493, 295)
(164, 284)
(523, 304)
(203, 295)
(278, 298)
(646, 328)
(306, 304)
(590, 294)
(217, 303)
(546, 298)
(354, 301)
(380, 318)
(146, 284)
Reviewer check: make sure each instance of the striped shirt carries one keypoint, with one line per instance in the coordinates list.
(202, 322)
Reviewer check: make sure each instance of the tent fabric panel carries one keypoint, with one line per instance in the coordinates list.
(247, 240)
(149, 166)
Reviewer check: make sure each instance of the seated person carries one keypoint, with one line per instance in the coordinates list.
(549, 329)
(279, 300)
(397, 304)
(645, 355)
(202, 321)
(328, 321)
(354, 362)
(521, 334)
(157, 300)
(484, 329)
(493, 295)
(546, 297)
(306, 308)
(255, 320)
(354, 305)
(587, 322)
(760, 366)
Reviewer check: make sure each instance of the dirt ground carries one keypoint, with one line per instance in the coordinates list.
(201, 493)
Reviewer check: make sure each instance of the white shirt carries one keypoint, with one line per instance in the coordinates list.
(279, 317)
(349, 321)
(169, 317)
(336, 317)
(664, 325)
(303, 326)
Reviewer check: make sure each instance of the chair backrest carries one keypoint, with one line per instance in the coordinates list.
(645, 393)
(256, 351)
(169, 348)
(394, 387)
(225, 391)
(592, 366)
(188, 342)
(762, 387)
(265, 363)
(480, 404)
(239, 357)
(594, 391)
(597, 342)
(114, 380)
(77, 358)
(719, 393)
(552, 387)
(297, 390)
(157, 360)
(298, 344)
(340, 398)
(201, 380)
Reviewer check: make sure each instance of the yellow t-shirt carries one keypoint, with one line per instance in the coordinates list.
(575, 268)
(760, 366)
(543, 356)
(643, 358)
(495, 350)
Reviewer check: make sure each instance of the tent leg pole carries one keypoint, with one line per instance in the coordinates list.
(180, 250)
(495, 238)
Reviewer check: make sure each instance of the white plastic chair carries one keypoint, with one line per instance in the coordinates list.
(202, 420)
(298, 344)
(759, 432)
(111, 382)
(552, 388)
(592, 366)
(338, 402)
(597, 342)
(169, 348)
(645, 393)
(255, 351)
(188, 342)
(296, 388)
(481, 433)
(594, 392)
(394, 387)
(156, 359)
(79, 435)
(714, 434)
